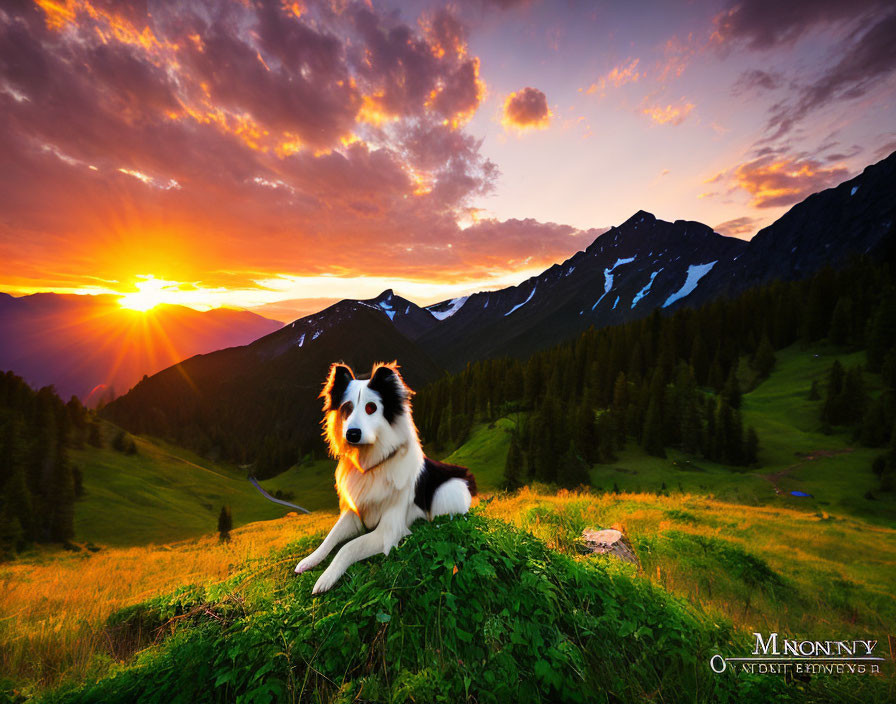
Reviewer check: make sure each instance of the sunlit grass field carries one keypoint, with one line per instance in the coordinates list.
(761, 568)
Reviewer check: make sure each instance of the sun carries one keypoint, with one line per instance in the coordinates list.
(150, 293)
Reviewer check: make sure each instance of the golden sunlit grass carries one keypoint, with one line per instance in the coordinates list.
(53, 605)
(837, 572)
(834, 575)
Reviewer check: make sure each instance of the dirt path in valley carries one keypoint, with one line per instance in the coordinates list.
(775, 477)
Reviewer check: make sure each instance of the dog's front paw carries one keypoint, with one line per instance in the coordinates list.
(309, 563)
(325, 582)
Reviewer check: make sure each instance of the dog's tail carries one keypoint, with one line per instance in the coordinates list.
(275, 500)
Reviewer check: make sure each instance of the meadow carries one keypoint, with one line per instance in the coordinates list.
(747, 568)
(736, 554)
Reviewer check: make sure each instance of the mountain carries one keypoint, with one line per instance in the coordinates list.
(857, 216)
(410, 319)
(625, 273)
(260, 401)
(89, 346)
(646, 263)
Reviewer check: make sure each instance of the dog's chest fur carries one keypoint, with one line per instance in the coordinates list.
(370, 494)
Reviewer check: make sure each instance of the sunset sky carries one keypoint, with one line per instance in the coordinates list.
(242, 153)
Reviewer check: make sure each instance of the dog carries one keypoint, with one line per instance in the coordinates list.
(383, 479)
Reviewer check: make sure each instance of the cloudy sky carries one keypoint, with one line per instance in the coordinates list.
(245, 152)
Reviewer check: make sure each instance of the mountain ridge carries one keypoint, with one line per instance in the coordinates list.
(629, 271)
(88, 345)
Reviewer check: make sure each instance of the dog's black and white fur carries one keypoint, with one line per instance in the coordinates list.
(383, 479)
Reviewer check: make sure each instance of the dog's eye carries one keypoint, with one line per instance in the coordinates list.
(347, 409)
(370, 408)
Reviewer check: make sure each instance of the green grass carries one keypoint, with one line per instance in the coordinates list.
(788, 426)
(485, 452)
(165, 493)
(418, 626)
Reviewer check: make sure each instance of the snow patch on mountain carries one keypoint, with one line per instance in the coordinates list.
(608, 278)
(454, 305)
(695, 273)
(387, 308)
(520, 305)
(644, 291)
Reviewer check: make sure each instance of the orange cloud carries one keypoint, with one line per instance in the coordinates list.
(527, 109)
(739, 227)
(669, 114)
(677, 54)
(175, 146)
(618, 76)
(775, 182)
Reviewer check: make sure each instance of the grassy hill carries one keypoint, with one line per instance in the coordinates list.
(795, 454)
(206, 621)
(165, 493)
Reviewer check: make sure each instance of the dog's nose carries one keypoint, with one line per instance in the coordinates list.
(353, 435)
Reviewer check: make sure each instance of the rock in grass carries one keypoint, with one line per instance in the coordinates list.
(609, 542)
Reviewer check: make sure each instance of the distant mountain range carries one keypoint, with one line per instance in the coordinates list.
(642, 265)
(91, 347)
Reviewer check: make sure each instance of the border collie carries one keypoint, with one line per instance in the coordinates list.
(383, 479)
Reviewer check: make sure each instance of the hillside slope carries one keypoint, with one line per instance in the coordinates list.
(165, 493)
(795, 455)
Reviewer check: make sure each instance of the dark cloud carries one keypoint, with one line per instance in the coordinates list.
(756, 80)
(847, 153)
(527, 109)
(869, 59)
(764, 24)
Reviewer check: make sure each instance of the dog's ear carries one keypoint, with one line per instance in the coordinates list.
(387, 382)
(334, 389)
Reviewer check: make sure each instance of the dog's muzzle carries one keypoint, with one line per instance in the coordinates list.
(353, 435)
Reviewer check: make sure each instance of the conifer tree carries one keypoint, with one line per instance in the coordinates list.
(814, 393)
(839, 332)
(751, 447)
(225, 524)
(653, 430)
(764, 359)
(513, 467)
(882, 332)
(731, 391)
(573, 472)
